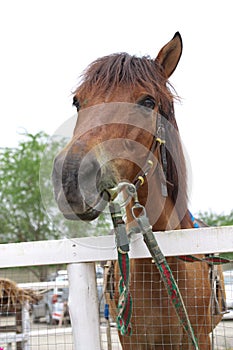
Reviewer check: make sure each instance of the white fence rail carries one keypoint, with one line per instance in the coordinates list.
(172, 243)
(81, 253)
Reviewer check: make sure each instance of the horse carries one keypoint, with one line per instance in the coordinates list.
(125, 108)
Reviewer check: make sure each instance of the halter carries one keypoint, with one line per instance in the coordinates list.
(159, 141)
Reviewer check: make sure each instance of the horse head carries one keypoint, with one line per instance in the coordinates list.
(118, 101)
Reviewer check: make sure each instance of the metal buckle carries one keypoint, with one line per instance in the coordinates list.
(128, 188)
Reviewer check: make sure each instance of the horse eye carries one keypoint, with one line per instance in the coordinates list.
(147, 102)
(76, 103)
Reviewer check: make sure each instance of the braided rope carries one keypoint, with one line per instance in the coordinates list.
(170, 283)
(165, 272)
(211, 260)
(125, 298)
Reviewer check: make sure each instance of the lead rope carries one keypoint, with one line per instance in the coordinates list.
(125, 299)
(164, 270)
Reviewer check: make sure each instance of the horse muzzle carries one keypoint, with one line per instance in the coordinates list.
(80, 184)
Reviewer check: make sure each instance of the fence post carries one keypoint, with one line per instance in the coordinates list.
(26, 325)
(83, 306)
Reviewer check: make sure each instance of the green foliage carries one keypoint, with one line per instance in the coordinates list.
(213, 219)
(22, 215)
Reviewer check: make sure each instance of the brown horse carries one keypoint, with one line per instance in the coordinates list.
(119, 101)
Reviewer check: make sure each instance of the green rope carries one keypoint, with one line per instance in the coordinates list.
(165, 272)
(125, 299)
(209, 259)
(170, 283)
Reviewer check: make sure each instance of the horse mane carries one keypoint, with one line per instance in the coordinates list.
(108, 73)
(176, 169)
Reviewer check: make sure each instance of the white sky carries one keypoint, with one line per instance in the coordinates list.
(46, 44)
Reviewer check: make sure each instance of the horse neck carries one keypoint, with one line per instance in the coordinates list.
(161, 212)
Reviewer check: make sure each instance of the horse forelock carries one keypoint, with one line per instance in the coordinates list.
(109, 73)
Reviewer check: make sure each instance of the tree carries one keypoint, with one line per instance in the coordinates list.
(214, 219)
(22, 215)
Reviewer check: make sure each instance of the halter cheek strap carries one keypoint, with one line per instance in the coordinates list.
(158, 142)
(161, 140)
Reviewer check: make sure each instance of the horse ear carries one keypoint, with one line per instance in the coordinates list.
(170, 54)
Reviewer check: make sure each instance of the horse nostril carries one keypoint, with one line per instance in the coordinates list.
(89, 173)
(105, 195)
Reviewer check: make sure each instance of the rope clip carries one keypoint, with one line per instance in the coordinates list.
(128, 188)
(141, 218)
